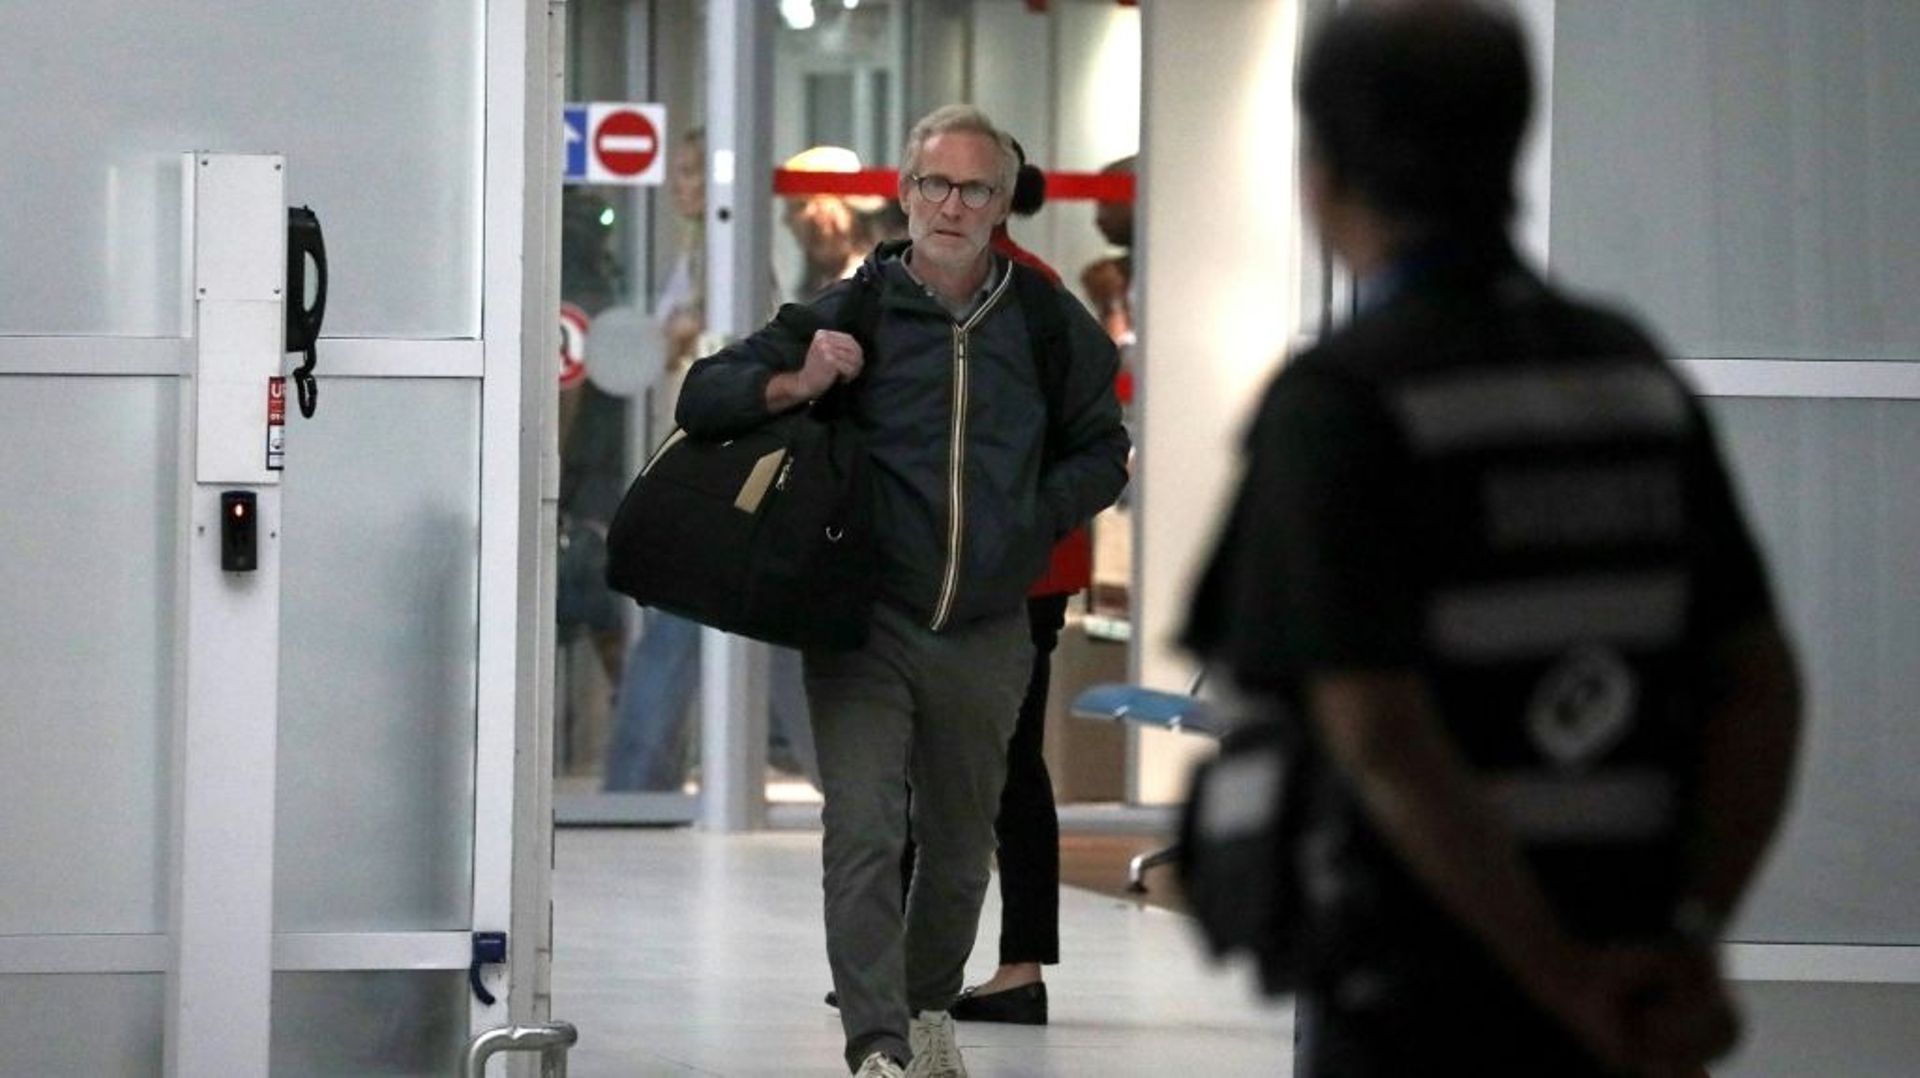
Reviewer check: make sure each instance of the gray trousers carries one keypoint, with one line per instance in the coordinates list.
(933, 712)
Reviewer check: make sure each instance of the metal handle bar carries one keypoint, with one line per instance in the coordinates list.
(551, 1040)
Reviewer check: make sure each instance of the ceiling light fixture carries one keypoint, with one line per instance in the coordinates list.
(798, 13)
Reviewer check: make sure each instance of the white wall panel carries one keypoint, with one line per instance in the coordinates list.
(96, 121)
(87, 590)
(394, 1024)
(1221, 247)
(1744, 171)
(1856, 1030)
(97, 1025)
(1830, 491)
(378, 661)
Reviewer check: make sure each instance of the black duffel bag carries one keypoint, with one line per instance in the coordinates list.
(767, 534)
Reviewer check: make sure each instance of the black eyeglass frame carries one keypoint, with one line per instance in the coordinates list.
(946, 188)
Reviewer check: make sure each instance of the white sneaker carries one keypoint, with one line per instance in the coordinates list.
(879, 1065)
(935, 1055)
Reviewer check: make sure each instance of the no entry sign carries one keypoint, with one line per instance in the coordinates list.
(573, 345)
(615, 142)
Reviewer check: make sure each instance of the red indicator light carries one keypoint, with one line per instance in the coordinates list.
(238, 545)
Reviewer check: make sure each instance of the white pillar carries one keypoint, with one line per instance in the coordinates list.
(733, 699)
(1220, 258)
(220, 965)
(519, 490)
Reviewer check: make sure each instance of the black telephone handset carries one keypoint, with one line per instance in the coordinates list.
(303, 319)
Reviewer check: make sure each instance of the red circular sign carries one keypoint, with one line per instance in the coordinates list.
(573, 346)
(625, 143)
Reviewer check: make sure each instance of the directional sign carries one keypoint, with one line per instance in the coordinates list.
(615, 142)
(574, 119)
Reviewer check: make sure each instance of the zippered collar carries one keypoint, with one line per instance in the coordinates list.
(997, 274)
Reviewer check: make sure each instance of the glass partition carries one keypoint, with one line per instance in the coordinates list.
(627, 710)
(377, 672)
(397, 1025)
(87, 643)
(626, 271)
(90, 203)
(101, 1025)
(1829, 487)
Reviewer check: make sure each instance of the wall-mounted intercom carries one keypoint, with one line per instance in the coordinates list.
(304, 315)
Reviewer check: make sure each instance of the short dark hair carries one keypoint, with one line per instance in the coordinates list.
(1419, 107)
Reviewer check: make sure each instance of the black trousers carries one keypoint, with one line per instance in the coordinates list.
(1027, 829)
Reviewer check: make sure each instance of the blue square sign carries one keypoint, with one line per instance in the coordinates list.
(574, 117)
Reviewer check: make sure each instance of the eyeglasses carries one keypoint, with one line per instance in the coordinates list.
(935, 189)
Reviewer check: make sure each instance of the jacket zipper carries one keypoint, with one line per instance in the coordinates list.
(956, 471)
(957, 459)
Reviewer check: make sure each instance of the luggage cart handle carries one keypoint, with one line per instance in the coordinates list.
(551, 1040)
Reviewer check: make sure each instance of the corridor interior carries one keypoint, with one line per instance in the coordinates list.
(681, 952)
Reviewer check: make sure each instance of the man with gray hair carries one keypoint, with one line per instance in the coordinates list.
(983, 454)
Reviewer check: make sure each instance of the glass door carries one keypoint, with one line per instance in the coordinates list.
(628, 688)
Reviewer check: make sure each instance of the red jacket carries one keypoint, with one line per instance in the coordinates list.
(1071, 568)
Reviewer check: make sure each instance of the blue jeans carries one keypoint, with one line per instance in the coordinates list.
(648, 750)
(653, 717)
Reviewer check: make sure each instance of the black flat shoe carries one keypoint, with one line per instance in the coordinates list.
(1022, 1006)
(833, 999)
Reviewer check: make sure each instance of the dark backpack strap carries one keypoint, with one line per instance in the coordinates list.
(860, 318)
(1051, 347)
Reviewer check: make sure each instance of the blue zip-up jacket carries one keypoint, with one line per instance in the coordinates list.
(954, 420)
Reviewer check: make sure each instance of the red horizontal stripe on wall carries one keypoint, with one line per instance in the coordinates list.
(1093, 186)
(885, 182)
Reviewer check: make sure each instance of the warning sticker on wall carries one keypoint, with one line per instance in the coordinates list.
(276, 424)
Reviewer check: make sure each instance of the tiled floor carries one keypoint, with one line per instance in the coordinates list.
(683, 953)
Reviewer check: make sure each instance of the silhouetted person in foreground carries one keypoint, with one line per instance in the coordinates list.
(1486, 550)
